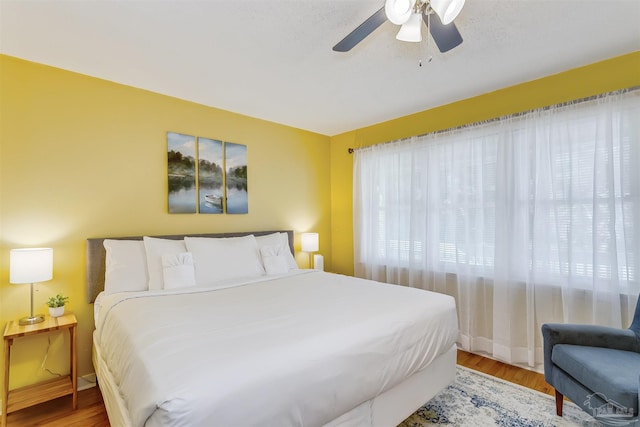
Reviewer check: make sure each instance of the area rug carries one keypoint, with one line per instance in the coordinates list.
(480, 400)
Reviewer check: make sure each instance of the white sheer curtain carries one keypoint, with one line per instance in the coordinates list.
(524, 220)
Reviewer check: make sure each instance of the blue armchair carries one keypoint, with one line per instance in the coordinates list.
(596, 367)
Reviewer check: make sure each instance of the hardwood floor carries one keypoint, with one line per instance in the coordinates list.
(58, 412)
(523, 377)
(91, 411)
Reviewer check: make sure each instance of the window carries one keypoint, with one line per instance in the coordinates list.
(550, 196)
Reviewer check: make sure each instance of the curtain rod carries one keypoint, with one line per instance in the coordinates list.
(351, 150)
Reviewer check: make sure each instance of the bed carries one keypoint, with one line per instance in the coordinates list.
(235, 335)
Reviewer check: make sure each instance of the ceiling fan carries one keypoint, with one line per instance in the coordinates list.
(410, 14)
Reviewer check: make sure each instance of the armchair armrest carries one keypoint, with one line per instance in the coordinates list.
(590, 335)
(586, 335)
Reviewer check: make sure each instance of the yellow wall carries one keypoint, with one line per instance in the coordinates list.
(82, 157)
(616, 73)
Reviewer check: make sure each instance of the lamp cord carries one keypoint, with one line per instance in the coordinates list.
(44, 360)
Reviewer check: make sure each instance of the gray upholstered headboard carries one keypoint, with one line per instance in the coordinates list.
(96, 255)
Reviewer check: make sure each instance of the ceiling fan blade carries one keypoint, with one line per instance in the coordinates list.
(446, 36)
(363, 30)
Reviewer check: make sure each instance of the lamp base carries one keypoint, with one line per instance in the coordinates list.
(31, 319)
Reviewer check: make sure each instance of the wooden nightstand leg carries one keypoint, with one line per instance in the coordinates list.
(5, 388)
(74, 365)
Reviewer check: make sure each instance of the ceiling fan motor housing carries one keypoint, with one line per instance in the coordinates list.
(400, 11)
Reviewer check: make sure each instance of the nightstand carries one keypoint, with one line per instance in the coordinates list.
(13, 400)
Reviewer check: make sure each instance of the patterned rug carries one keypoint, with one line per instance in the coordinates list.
(479, 400)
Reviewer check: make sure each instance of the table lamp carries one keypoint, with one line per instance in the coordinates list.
(29, 266)
(310, 243)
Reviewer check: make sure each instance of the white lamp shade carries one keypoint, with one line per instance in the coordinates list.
(447, 10)
(399, 11)
(310, 242)
(411, 30)
(30, 265)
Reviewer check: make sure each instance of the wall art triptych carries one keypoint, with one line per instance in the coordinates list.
(206, 175)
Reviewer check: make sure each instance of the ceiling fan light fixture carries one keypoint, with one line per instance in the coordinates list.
(411, 30)
(399, 11)
(447, 10)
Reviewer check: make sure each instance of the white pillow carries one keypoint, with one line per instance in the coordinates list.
(274, 259)
(219, 259)
(125, 266)
(155, 249)
(282, 240)
(178, 271)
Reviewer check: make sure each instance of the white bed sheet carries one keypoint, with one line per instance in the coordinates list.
(297, 350)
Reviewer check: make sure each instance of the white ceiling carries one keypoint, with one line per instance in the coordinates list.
(272, 59)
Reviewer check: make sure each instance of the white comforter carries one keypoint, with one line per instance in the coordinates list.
(298, 350)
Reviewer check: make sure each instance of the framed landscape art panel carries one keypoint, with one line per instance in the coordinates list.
(235, 156)
(181, 172)
(210, 176)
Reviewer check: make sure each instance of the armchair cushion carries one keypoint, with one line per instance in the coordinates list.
(612, 372)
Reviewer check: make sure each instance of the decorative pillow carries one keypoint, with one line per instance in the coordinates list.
(155, 249)
(178, 271)
(219, 259)
(282, 240)
(274, 259)
(126, 266)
